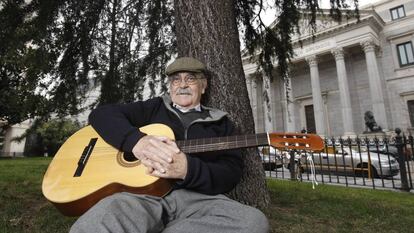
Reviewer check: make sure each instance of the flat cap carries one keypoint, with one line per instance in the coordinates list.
(185, 64)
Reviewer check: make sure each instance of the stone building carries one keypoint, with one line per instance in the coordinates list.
(10, 147)
(349, 68)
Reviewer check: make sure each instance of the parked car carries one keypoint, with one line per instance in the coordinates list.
(350, 160)
(390, 150)
(271, 158)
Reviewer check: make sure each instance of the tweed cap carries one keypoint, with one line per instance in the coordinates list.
(185, 64)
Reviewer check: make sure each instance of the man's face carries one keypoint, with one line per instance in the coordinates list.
(186, 88)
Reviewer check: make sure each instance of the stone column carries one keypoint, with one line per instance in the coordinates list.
(249, 89)
(268, 105)
(257, 104)
(375, 87)
(344, 92)
(253, 101)
(318, 108)
(289, 106)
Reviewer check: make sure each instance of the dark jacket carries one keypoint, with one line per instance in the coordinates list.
(208, 173)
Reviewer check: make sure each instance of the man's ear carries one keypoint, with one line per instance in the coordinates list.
(204, 86)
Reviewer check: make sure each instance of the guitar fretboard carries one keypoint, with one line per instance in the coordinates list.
(223, 143)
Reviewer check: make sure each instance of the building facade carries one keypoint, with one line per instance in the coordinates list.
(10, 147)
(346, 70)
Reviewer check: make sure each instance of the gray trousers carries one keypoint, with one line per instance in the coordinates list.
(179, 211)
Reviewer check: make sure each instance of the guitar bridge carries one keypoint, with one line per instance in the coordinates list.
(84, 157)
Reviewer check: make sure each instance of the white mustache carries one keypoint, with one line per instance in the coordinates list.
(185, 91)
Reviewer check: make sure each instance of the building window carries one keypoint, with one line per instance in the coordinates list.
(410, 105)
(405, 53)
(397, 12)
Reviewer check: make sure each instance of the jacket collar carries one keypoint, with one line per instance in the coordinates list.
(215, 114)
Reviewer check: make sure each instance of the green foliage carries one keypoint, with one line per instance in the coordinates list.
(52, 52)
(47, 136)
(53, 133)
(24, 58)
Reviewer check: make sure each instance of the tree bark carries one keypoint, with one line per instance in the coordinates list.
(207, 30)
(110, 92)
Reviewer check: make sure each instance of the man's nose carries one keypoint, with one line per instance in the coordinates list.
(183, 82)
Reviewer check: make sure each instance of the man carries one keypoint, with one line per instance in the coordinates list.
(196, 203)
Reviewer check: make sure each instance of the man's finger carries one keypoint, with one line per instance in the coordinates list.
(162, 150)
(171, 143)
(157, 155)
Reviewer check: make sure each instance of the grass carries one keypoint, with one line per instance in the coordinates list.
(295, 207)
(22, 205)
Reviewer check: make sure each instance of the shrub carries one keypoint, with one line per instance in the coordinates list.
(47, 136)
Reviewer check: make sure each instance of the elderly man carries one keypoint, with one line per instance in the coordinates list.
(196, 203)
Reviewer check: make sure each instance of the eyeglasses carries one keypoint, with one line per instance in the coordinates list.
(189, 79)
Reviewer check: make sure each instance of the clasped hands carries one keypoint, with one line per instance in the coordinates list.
(161, 156)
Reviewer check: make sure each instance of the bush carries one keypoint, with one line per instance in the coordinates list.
(48, 136)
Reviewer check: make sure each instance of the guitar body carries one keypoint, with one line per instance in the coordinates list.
(105, 172)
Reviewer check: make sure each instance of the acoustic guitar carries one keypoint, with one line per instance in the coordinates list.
(87, 169)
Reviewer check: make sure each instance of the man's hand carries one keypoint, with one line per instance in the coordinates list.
(161, 156)
(175, 170)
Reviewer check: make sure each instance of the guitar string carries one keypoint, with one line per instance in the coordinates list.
(250, 141)
(213, 146)
(107, 156)
(200, 147)
(108, 152)
(194, 148)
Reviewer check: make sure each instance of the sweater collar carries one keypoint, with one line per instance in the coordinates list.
(184, 110)
(215, 114)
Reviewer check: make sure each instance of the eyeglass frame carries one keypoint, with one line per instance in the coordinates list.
(176, 80)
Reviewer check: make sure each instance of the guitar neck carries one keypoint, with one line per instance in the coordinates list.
(223, 143)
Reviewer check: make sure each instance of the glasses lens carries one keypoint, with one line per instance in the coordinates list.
(189, 79)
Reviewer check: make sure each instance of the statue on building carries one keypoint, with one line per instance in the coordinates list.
(370, 122)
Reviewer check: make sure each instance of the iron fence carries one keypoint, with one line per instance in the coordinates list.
(375, 162)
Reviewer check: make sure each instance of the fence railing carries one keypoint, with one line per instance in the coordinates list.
(374, 162)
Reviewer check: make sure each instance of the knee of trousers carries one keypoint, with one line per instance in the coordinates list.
(106, 206)
(117, 199)
(254, 221)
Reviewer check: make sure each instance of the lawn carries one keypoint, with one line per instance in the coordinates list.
(295, 207)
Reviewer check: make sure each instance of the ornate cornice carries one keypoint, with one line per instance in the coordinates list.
(369, 17)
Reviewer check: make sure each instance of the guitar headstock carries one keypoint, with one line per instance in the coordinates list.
(297, 141)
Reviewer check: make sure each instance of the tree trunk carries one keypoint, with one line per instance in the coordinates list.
(207, 30)
(110, 92)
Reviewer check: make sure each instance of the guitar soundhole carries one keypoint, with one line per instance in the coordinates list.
(129, 157)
